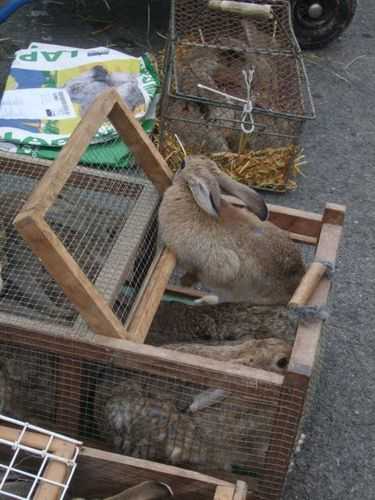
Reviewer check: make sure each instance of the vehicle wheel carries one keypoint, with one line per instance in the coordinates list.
(317, 22)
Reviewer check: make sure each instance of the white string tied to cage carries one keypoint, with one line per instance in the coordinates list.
(247, 111)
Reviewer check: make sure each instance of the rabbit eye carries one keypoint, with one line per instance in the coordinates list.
(282, 363)
(183, 164)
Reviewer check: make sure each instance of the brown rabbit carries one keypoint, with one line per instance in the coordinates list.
(226, 245)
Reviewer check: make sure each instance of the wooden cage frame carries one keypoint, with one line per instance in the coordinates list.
(322, 231)
(31, 224)
(101, 473)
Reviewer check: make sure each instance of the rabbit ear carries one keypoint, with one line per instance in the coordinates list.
(253, 201)
(206, 193)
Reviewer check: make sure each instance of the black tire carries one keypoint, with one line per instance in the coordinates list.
(316, 33)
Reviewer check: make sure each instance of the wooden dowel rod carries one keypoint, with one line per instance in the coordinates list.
(30, 439)
(308, 284)
(242, 8)
(55, 471)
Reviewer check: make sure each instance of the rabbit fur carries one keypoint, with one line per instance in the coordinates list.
(226, 245)
(149, 423)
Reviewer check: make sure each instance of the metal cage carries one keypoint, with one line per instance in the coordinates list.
(235, 84)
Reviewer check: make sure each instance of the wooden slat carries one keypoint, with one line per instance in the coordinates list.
(31, 439)
(224, 493)
(101, 474)
(301, 238)
(308, 335)
(143, 149)
(55, 471)
(142, 318)
(296, 221)
(61, 265)
(57, 175)
(334, 214)
(155, 360)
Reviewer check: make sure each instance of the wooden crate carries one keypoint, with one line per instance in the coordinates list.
(102, 474)
(272, 403)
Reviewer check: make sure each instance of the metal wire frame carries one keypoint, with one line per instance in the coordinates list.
(37, 477)
(211, 27)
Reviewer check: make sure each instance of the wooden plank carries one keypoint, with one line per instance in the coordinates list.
(300, 369)
(153, 360)
(56, 471)
(296, 221)
(241, 491)
(64, 269)
(308, 335)
(142, 317)
(9, 321)
(224, 493)
(32, 439)
(101, 473)
(143, 149)
(334, 214)
(57, 175)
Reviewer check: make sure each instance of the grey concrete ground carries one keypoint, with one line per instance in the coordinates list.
(337, 461)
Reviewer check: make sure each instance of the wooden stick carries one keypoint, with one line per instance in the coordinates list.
(302, 359)
(308, 284)
(144, 314)
(143, 149)
(296, 221)
(54, 179)
(242, 8)
(64, 269)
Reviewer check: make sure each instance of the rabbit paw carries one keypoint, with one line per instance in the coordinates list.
(207, 300)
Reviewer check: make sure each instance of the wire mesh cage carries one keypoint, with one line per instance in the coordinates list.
(237, 86)
(89, 233)
(231, 421)
(34, 462)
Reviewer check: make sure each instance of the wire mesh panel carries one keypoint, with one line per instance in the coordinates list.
(236, 86)
(210, 49)
(103, 217)
(29, 457)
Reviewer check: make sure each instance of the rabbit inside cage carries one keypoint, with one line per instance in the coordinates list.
(166, 420)
(218, 64)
